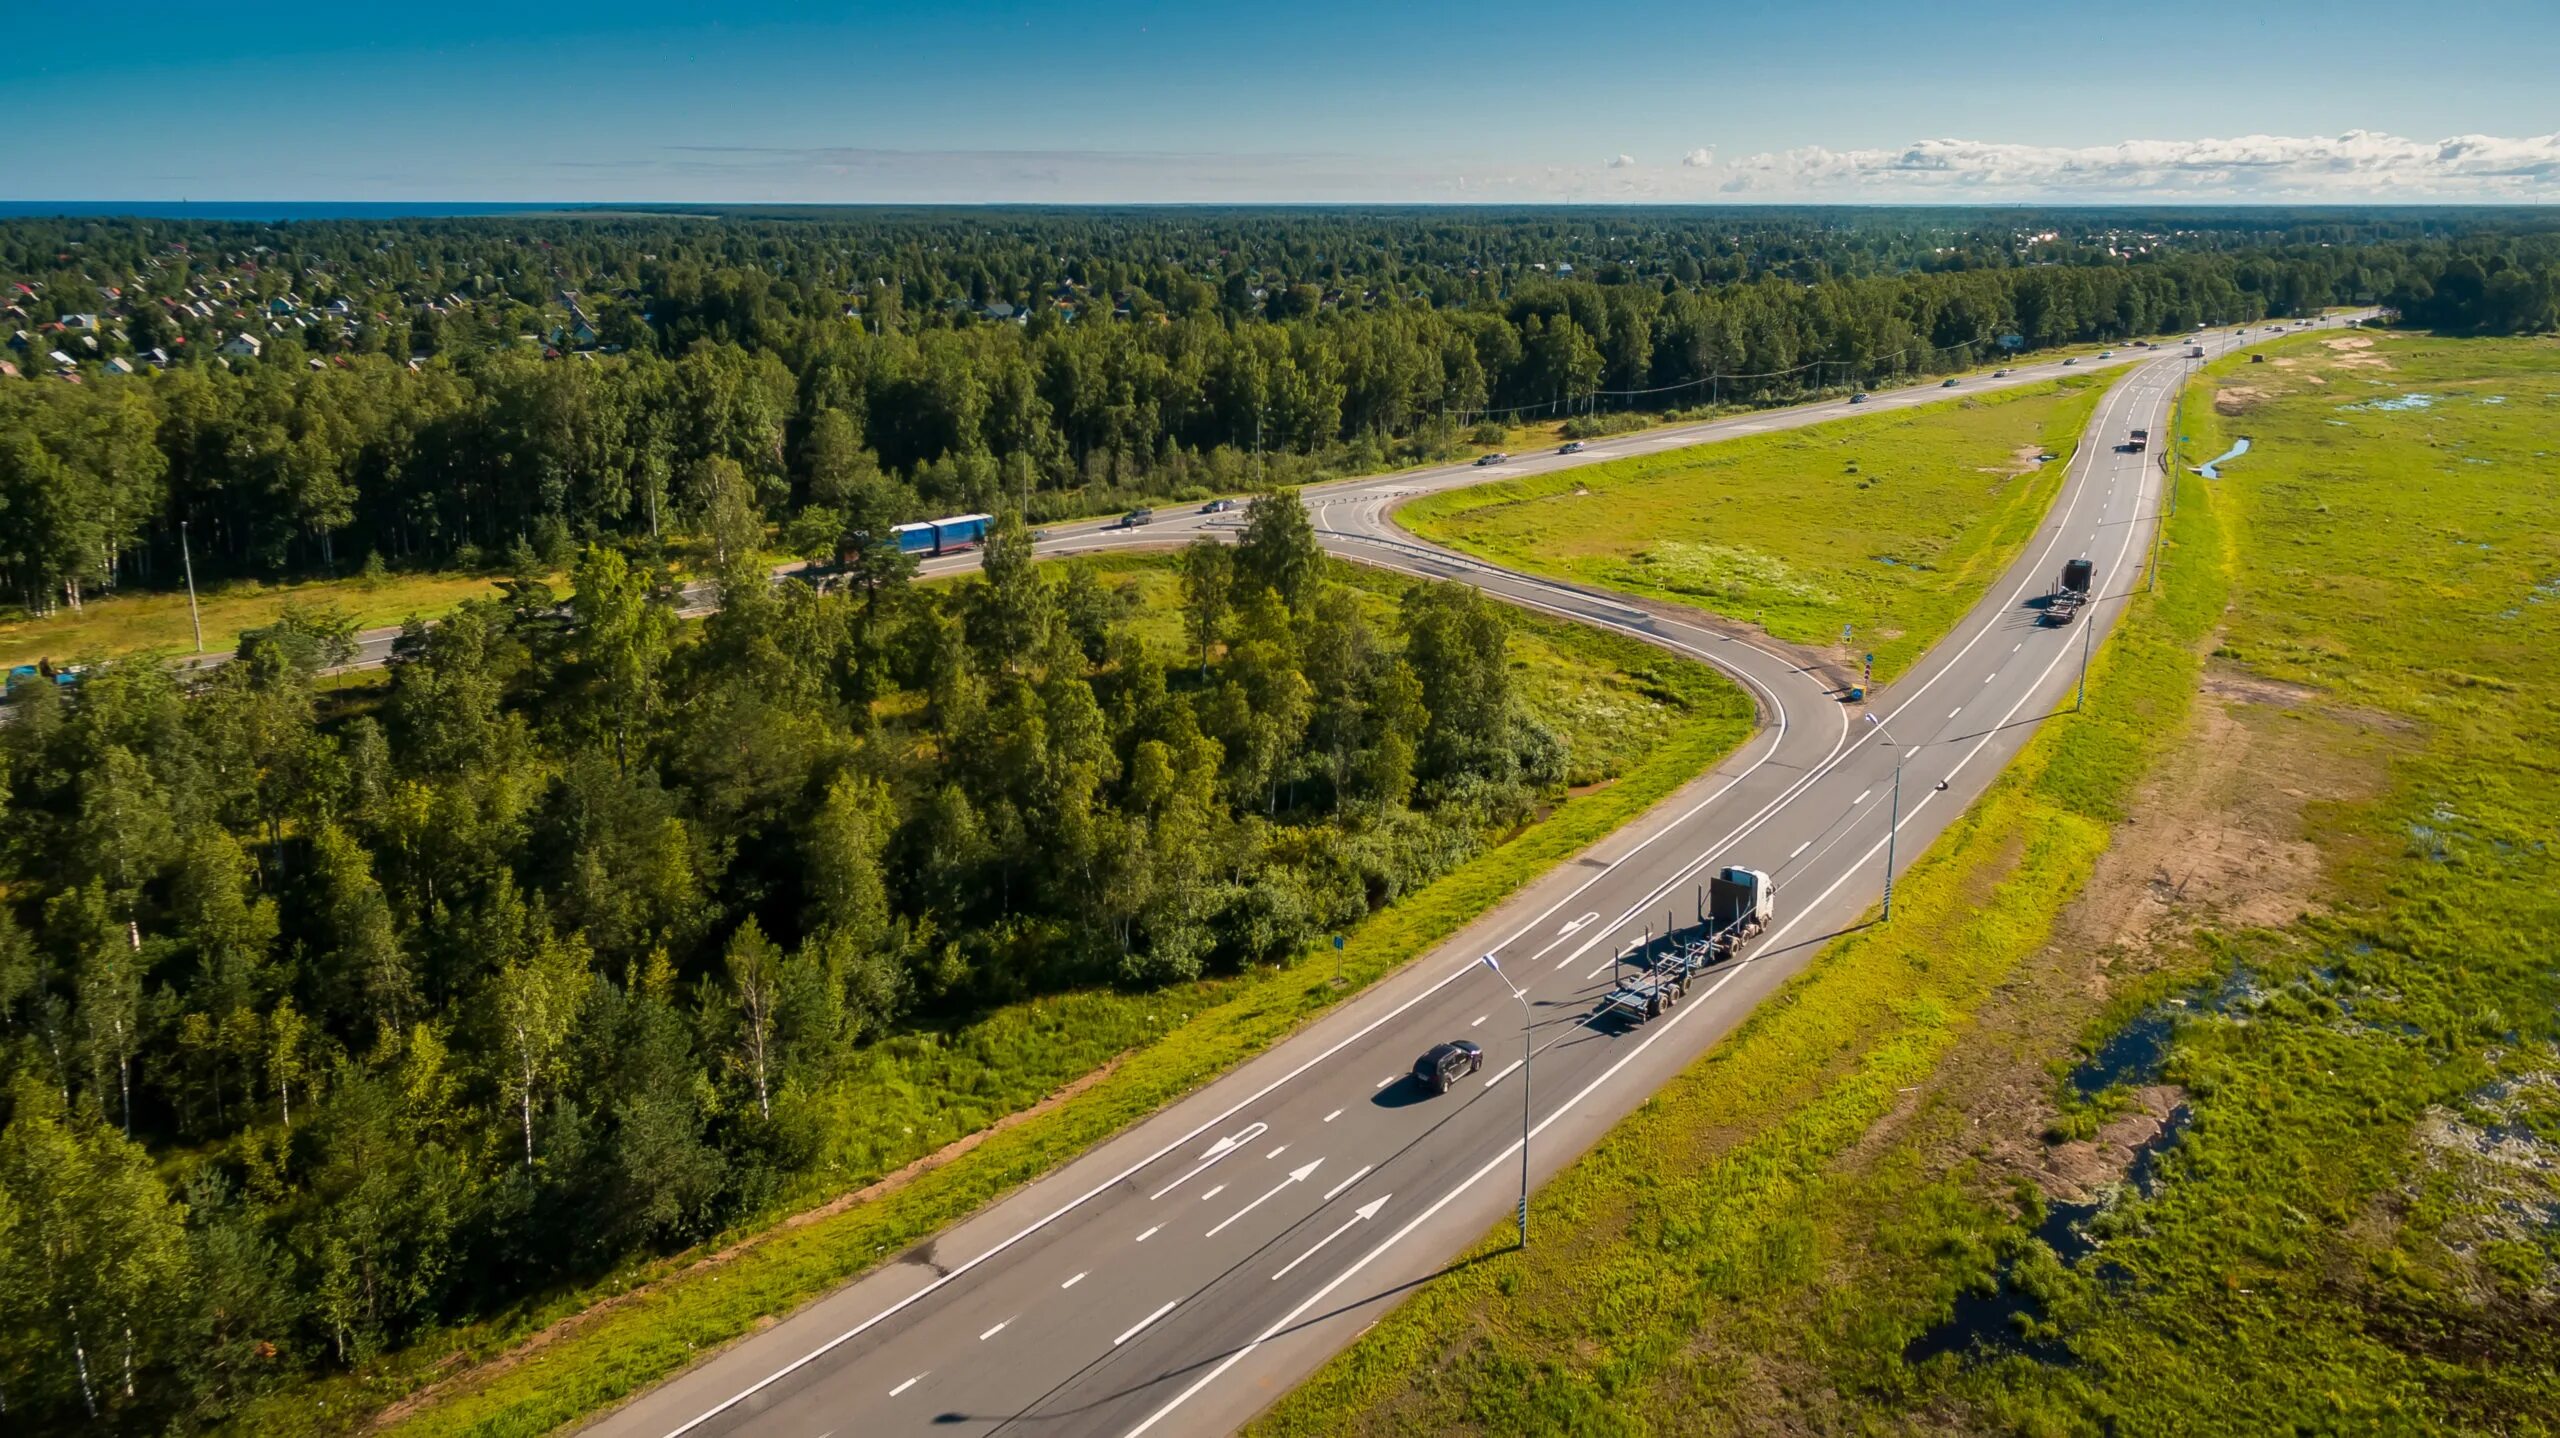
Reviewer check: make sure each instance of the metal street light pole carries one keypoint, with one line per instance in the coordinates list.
(188, 558)
(2088, 637)
(1893, 824)
(1527, 1051)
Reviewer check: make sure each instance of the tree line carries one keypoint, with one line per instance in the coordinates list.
(323, 1022)
(840, 426)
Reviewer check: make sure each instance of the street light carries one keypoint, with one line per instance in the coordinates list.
(1893, 827)
(187, 557)
(1527, 1050)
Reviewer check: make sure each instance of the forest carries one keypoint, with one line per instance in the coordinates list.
(331, 1016)
(325, 1017)
(459, 393)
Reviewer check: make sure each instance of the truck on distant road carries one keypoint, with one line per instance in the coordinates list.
(2138, 441)
(2063, 604)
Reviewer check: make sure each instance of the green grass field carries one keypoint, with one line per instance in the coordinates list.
(1891, 524)
(2359, 1230)
(1641, 719)
(153, 622)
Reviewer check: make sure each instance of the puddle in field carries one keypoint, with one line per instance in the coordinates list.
(2238, 448)
(2414, 399)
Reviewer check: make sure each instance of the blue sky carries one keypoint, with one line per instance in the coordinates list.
(1833, 99)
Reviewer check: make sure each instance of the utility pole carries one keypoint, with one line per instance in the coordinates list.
(2088, 637)
(1528, 1050)
(1893, 824)
(187, 557)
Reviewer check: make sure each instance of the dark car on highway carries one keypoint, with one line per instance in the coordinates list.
(1447, 1063)
(1495, 458)
(1217, 506)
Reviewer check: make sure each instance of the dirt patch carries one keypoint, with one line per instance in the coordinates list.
(2347, 343)
(2236, 399)
(2080, 1172)
(2354, 352)
(462, 1373)
(2025, 459)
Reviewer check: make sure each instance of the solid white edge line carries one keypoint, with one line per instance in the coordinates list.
(1778, 733)
(1672, 1021)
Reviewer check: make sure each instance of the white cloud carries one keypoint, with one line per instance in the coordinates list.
(1698, 159)
(2358, 165)
(1623, 162)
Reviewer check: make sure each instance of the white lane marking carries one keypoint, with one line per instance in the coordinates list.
(1143, 1322)
(1213, 1192)
(992, 1332)
(1362, 1214)
(1356, 1175)
(1391, 1078)
(1296, 1175)
(1506, 1073)
(903, 1387)
(1576, 924)
(2014, 648)
(1150, 1233)
(1337, 1113)
(1959, 709)
(1072, 1282)
(1499, 1160)
(1595, 973)
(1216, 1151)
(1987, 678)
(1862, 798)
(1800, 848)
(1275, 1153)
(1479, 1023)
(1777, 743)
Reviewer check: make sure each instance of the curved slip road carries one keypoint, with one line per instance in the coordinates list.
(1183, 1275)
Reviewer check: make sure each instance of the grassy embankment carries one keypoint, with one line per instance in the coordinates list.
(1643, 719)
(1890, 523)
(151, 621)
(2357, 1231)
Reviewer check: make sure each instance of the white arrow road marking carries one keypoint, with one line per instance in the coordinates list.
(1216, 1151)
(1362, 1214)
(1357, 1174)
(1296, 1175)
(903, 1387)
(1143, 1322)
(1577, 924)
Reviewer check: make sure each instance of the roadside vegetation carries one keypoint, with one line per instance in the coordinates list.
(1889, 525)
(2208, 1076)
(375, 1027)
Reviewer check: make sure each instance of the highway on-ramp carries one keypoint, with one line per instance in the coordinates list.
(1183, 1275)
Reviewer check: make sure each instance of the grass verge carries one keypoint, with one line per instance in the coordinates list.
(1889, 524)
(921, 1091)
(2357, 1228)
(1697, 1206)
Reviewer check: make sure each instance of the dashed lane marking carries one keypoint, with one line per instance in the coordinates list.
(1072, 1282)
(1337, 1113)
(992, 1332)
(1361, 1173)
(1143, 1322)
(1506, 1073)
(903, 1387)
(1213, 1192)
(1150, 1233)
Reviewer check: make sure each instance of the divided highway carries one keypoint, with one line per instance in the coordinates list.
(1180, 1277)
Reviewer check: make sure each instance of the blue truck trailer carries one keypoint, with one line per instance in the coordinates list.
(933, 538)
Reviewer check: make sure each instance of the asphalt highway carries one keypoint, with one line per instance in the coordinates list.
(1180, 1277)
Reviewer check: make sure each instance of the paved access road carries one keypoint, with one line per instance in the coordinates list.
(1182, 1276)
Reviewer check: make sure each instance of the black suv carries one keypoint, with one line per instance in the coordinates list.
(1446, 1064)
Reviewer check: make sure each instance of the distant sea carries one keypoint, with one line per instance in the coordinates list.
(272, 209)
